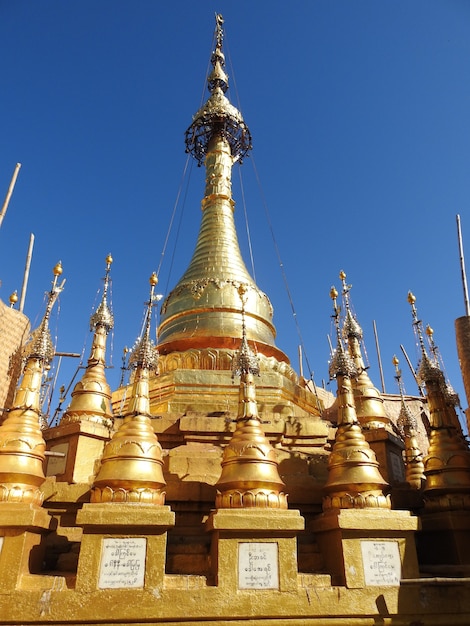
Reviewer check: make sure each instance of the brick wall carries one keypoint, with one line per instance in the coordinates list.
(14, 329)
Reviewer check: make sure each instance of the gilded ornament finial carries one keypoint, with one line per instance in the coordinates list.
(245, 361)
(218, 115)
(351, 327)
(408, 426)
(144, 353)
(13, 299)
(427, 368)
(370, 409)
(103, 315)
(40, 345)
(341, 362)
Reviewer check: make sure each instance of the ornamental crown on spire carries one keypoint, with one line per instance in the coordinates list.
(218, 115)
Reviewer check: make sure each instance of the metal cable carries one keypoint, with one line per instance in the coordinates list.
(281, 265)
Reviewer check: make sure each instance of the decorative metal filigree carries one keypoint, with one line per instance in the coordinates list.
(245, 362)
(218, 115)
(144, 353)
(351, 327)
(341, 364)
(39, 344)
(103, 315)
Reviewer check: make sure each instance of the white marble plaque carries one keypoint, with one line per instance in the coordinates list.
(1, 544)
(381, 562)
(122, 563)
(258, 566)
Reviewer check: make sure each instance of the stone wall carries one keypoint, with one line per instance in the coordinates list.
(14, 330)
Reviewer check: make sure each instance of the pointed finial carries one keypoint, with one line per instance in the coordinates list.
(218, 116)
(103, 315)
(408, 425)
(144, 353)
(245, 361)
(351, 327)
(13, 299)
(354, 480)
(40, 343)
(341, 363)
(427, 369)
(405, 421)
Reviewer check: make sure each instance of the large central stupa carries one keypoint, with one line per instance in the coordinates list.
(201, 318)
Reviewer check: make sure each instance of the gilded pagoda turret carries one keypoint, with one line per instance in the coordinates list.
(250, 475)
(91, 397)
(447, 463)
(408, 426)
(131, 466)
(369, 403)
(22, 446)
(203, 310)
(354, 480)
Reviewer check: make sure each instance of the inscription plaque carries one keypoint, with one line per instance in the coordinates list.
(122, 563)
(398, 469)
(258, 566)
(381, 562)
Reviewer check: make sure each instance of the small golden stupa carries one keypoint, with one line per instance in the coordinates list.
(250, 476)
(407, 424)
(91, 397)
(22, 446)
(184, 519)
(354, 480)
(447, 463)
(368, 401)
(131, 466)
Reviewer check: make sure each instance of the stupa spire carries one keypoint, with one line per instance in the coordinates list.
(22, 446)
(369, 403)
(202, 311)
(250, 475)
(91, 397)
(131, 466)
(408, 426)
(447, 463)
(354, 480)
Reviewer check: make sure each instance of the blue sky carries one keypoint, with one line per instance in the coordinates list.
(359, 113)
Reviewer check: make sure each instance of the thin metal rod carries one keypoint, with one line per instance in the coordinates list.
(301, 369)
(9, 193)
(26, 272)
(462, 268)
(402, 348)
(379, 358)
(330, 345)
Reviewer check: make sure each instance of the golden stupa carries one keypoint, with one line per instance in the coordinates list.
(190, 497)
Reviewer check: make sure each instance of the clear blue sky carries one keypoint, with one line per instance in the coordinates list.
(360, 119)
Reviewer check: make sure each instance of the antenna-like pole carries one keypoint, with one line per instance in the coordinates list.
(9, 193)
(379, 358)
(26, 272)
(462, 268)
(301, 369)
(407, 358)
